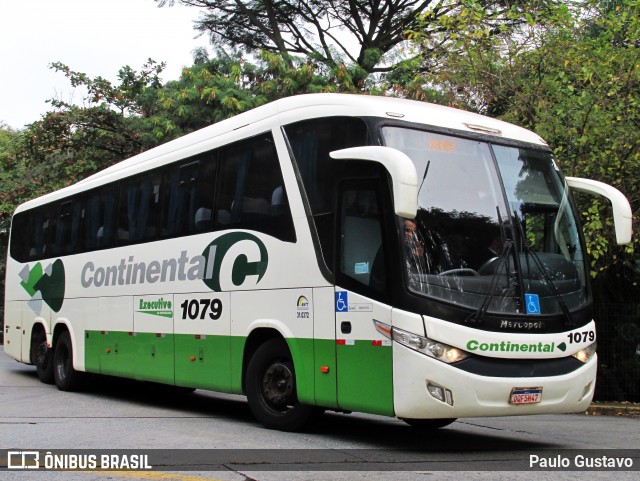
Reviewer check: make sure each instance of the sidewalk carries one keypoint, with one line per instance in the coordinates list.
(614, 409)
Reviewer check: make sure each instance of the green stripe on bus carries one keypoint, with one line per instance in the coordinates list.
(215, 363)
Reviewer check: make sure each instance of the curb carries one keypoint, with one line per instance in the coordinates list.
(614, 409)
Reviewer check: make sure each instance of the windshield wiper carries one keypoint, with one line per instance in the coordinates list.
(529, 251)
(478, 316)
(507, 246)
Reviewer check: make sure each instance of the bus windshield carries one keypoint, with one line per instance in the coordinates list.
(495, 230)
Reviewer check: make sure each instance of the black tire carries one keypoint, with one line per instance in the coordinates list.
(42, 356)
(428, 424)
(271, 389)
(66, 377)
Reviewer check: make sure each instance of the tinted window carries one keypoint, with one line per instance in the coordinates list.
(66, 226)
(250, 193)
(311, 142)
(139, 207)
(361, 256)
(99, 219)
(188, 191)
(31, 232)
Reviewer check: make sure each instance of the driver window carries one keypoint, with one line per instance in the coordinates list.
(361, 248)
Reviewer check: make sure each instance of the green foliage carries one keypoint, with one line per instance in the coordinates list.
(571, 72)
(217, 88)
(11, 194)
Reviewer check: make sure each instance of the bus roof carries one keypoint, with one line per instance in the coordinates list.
(300, 107)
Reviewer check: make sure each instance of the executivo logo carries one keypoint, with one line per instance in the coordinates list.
(205, 267)
(156, 307)
(44, 284)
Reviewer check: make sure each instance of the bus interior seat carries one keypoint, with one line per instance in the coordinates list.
(203, 218)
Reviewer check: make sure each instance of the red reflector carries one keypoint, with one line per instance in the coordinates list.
(376, 343)
(324, 369)
(198, 336)
(341, 342)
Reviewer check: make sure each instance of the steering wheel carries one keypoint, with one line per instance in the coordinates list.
(489, 267)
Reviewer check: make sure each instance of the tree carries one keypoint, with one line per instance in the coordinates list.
(364, 36)
(11, 171)
(572, 76)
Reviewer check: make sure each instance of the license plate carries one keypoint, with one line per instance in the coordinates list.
(525, 395)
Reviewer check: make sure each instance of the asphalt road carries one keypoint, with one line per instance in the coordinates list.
(174, 430)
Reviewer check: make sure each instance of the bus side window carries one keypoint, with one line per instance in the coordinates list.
(34, 226)
(361, 256)
(250, 193)
(42, 220)
(66, 227)
(139, 206)
(188, 192)
(98, 219)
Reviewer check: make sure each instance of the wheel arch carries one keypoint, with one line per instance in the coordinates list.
(39, 326)
(62, 325)
(255, 339)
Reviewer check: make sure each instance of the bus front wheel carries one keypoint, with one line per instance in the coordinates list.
(271, 389)
(66, 377)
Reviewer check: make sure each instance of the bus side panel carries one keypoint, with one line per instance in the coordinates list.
(13, 329)
(364, 355)
(237, 344)
(117, 344)
(202, 324)
(324, 347)
(92, 351)
(153, 338)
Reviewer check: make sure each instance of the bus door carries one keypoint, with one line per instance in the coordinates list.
(364, 354)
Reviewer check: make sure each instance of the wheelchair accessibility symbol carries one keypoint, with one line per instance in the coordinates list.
(533, 303)
(342, 304)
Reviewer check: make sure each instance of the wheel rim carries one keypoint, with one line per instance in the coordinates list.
(278, 387)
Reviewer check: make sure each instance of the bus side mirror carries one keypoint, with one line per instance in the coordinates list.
(403, 174)
(622, 215)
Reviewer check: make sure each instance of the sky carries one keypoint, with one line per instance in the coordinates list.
(96, 37)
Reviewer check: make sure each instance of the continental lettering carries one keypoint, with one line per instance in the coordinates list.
(129, 272)
(508, 346)
(250, 260)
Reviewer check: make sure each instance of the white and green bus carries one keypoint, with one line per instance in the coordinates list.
(321, 252)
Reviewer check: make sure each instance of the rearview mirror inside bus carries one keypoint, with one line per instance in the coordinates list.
(404, 178)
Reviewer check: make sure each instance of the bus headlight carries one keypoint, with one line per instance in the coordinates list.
(585, 354)
(437, 350)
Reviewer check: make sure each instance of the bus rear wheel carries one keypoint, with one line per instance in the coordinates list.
(42, 357)
(66, 377)
(271, 389)
(428, 424)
